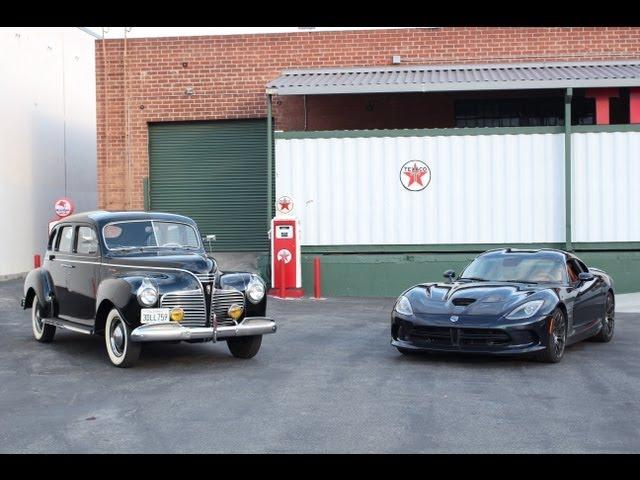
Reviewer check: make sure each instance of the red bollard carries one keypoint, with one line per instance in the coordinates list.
(282, 279)
(37, 261)
(316, 277)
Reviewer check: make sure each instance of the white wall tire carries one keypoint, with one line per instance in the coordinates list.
(117, 336)
(41, 331)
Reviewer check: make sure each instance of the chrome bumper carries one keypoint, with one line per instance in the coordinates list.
(173, 331)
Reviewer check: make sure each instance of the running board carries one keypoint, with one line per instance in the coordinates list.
(66, 324)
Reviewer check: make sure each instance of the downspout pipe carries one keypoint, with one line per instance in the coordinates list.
(567, 168)
(269, 159)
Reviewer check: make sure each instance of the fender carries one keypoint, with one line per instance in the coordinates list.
(39, 281)
(122, 291)
(240, 281)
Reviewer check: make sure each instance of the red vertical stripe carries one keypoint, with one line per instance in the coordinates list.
(634, 105)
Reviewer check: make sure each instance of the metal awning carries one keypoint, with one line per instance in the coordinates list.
(443, 78)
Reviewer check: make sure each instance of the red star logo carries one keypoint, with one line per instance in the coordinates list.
(284, 256)
(415, 175)
(285, 204)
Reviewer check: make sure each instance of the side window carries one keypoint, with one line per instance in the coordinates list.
(65, 239)
(582, 266)
(52, 237)
(87, 241)
(572, 271)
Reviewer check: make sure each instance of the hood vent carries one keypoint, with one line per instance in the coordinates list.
(462, 302)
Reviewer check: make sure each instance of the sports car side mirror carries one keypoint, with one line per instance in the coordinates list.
(450, 275)
(585, 276)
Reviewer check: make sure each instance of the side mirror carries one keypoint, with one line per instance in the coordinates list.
(585, 276)
(209, 238)
(450, 275)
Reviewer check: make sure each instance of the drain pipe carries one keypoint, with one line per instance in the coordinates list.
(567, 168)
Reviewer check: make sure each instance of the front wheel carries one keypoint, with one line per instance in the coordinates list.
(608, 322)
(41, 331)
(244, 347)
(117, 336)
(557, 341)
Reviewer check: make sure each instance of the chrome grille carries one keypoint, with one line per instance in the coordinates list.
(206, 277)
(192, 302)
(221, 300)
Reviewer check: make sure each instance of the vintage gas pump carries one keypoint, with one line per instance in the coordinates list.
(286, 277)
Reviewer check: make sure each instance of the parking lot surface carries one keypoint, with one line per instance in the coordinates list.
(327, 381)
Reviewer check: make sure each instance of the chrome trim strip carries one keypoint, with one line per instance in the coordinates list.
(142, 267)
(61, 324)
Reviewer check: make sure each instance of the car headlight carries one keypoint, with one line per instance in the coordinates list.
(525, 310)
(147, 294)
(403, 306)
(255, 290)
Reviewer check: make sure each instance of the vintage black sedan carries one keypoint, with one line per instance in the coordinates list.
(138, 277)
(508, 301)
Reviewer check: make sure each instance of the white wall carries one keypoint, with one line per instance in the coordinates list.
(606, 187)
(484, 189)
(47, 134)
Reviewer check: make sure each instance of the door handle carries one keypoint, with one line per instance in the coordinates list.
(52, 257)
(66, 265)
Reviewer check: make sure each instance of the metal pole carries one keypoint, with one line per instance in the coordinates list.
(269, 160)
(567, 167)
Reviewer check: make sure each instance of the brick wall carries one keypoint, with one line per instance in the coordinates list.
(228, 74)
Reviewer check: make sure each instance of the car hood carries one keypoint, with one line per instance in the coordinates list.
(465, 298)
(192, 261)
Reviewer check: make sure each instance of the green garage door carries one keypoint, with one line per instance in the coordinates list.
(215, 173)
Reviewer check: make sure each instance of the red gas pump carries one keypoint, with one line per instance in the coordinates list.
(286, 277)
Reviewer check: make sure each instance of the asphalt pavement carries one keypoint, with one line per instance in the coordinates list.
(327, 381)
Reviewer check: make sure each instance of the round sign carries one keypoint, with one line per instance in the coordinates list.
(415, 175)
(285, 204)
(63, 207)
(284, 255)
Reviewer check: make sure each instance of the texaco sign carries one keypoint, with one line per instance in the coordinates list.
(415, 175)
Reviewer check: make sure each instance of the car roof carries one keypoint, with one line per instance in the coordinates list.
(546, 252)
(102, 217)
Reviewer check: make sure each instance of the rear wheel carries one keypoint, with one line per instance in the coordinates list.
(244, 347)
(557, 341)
(41, 331)
(117, 336)
(608, 322)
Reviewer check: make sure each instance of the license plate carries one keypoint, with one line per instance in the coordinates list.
(154, 315)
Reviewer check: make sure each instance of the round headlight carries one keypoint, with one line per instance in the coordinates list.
(147, 296)
(255, 290)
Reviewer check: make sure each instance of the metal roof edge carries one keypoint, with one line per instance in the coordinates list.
(460, 66)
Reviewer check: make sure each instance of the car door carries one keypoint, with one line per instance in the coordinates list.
(60, 267)
(82, 279)
(586, 295)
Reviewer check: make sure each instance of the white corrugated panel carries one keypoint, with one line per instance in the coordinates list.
(484, 189)
(606, 192)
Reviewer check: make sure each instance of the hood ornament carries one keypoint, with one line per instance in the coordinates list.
(454, 318)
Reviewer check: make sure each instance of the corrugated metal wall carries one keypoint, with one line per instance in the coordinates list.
(606, 190)
(484, 189)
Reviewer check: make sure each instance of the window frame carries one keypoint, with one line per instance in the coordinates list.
(76, 236)
(59, 238)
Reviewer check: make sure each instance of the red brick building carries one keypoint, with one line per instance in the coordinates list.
(170, 89)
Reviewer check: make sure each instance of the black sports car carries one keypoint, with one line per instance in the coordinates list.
(508, 301)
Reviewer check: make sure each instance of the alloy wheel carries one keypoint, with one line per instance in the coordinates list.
(559, 334)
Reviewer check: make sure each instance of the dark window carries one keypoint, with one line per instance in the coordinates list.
(522, 112)
(52, 237)
(65, 239)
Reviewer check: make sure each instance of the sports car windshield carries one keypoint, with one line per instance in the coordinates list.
(143, 235)
(517, 267)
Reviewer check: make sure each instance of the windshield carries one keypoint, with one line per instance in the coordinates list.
(517, 267)
(150, 235)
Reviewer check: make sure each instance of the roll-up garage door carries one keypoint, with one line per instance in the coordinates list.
(215, 173)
